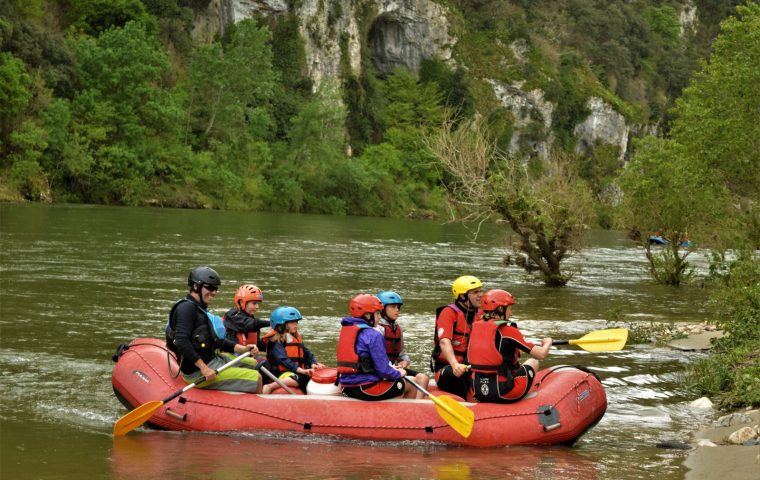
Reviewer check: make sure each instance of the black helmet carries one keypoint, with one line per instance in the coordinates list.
(204, 276)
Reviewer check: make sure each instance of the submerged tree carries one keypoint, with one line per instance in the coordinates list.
(547, 211)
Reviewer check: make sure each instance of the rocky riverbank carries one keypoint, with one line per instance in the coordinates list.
(729, 447)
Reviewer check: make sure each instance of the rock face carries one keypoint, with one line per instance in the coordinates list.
(688, 18)
(532, 118)
(402, 33)
(603, 125)
(407, 32)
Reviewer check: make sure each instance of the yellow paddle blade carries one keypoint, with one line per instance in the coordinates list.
(459, 417)
(135, 418)
(603, 340)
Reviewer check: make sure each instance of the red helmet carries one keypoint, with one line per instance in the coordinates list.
(247, 293)
(496, 298)
(364, 303)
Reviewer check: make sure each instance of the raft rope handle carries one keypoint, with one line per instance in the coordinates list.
(573, 388)
(168, 383)
(313, 424)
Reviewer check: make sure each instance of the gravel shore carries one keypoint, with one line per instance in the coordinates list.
(714, 457)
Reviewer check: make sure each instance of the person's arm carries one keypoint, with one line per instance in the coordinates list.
(376, 346)
(310, 359)
(539, 352)
(281, 357)
(445, 325)
(184, 325)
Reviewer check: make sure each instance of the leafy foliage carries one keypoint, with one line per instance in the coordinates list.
(732, 372)
(692, 181)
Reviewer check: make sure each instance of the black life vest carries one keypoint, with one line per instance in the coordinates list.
(204, 337)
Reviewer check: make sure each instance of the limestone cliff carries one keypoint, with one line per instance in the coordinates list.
(401, 33)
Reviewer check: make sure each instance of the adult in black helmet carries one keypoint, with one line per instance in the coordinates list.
(195, 335)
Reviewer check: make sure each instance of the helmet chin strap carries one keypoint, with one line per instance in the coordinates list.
(198, 290)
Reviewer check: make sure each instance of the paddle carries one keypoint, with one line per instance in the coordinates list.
(459, 417)
(276, 380)
(600, 340)
(141, 414)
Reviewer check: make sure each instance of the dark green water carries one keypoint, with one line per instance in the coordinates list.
(79, 280)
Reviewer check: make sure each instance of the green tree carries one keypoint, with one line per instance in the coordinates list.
(15, 93)
(703, 179)
(94, 17)
(122, 120)
(230, 87)
(717, 119)
(667, 192)
(315, 175)
(732, 371)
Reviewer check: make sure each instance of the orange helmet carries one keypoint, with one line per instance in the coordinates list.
(496, 298)
(247, 293)
(364, 303)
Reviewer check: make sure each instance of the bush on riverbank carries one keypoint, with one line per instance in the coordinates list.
(732, 371)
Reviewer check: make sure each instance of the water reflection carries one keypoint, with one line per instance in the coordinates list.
(165, 455)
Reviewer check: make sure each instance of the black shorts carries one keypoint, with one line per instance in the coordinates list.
(382, 390)
(487, 387)
(448, 382)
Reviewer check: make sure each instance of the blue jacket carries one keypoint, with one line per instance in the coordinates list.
(370, 343)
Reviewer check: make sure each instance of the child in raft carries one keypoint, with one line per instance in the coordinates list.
(241, 323)
(287, 356)
(394, 337)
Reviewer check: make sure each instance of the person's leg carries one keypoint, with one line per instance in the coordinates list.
(421, 379)
(244, 363)
(519, 386)
(448, 382)
(234, 379)
(533, 363)
(382, 390)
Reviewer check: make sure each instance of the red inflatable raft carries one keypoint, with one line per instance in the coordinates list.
(563, 403)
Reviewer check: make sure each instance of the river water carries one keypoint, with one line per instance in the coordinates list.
(78, 280)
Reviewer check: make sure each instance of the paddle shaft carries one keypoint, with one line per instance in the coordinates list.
(592, 340)
(430, 395)
(276, 380)
(198, 382)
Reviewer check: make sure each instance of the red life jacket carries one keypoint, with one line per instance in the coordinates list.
(293, 349)
(250, 338)
(348, 360)
(483, 355)
(460, 337)
(393, 341)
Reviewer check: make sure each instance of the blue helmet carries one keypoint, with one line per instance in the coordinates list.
(282, 315)
(390, 298)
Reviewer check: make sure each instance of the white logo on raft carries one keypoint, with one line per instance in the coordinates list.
(583, 395)
(141, 376)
